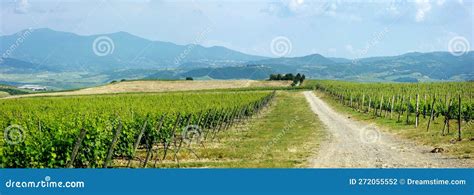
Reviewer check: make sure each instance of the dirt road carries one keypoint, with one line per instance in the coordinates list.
(354, 144)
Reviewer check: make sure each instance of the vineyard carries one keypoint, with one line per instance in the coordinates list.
(93, 131)
(409, 103)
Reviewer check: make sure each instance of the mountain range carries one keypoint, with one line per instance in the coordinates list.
(65, 60)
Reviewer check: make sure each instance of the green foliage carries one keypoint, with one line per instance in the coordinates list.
(52, 124)
(297, 80)
(439, 97)
(13, 91)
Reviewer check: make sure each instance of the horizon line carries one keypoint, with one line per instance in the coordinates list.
(235, 50)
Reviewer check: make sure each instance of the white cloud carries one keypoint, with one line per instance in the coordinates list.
(294, 5)
(287, 8)
(22, 6)
(423, 7)
(393, 9)
(440, 2)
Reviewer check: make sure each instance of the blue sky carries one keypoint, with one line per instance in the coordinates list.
(340, 28)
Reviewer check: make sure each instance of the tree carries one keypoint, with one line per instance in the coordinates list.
(297, 78)
(273, 77)
(289, 77)
(302, 79)
(279, 77)
(189, 78)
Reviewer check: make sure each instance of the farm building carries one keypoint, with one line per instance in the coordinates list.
(33, 87)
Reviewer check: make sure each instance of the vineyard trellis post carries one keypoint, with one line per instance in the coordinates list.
(77, 145)
(158, 130)
(207, 127)
(459, 117)
(431, 113)
(351, 101)
(446, 117)
(150, 143)
(401, 108)
(417, 113)
(137, 142)
(110, 153)
(178, 147)
(381, 104)
(166, 143)
(424, 107)
(408, 110)
(370, 102)
(391, 106)
(219, 125)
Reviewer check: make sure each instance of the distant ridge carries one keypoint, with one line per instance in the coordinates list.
(67, 60)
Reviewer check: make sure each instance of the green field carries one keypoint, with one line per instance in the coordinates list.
(284, 135)
(50, 126)
(242, 127)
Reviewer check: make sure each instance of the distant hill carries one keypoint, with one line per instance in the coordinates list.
(424, 66)
(62, 60)
(340, 60)
(407, 67)
(239, 72)
(312, 60)
(68, 51)
(6, 90)
(14, 66)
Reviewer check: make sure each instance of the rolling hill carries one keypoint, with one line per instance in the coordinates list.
(63, 60)
(71, 52)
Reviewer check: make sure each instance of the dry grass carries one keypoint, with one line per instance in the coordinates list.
(163, 86)
(285, 135)
(3, 94)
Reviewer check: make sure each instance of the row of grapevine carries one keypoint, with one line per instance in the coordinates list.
(92, 131)
(407, 102)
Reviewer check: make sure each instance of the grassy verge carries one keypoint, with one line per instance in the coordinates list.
(4, 94)
(284, 135)
(433, 137)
